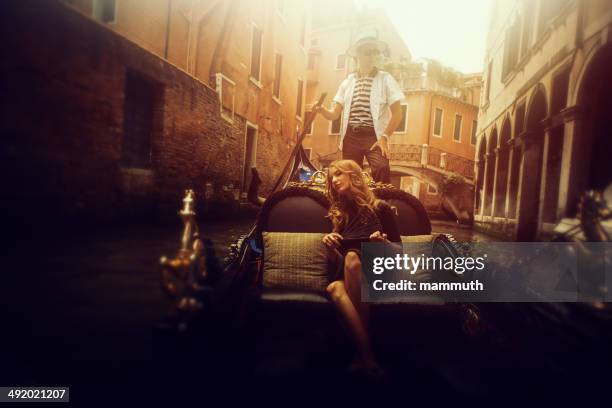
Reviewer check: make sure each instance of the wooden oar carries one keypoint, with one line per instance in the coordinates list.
(307, 124)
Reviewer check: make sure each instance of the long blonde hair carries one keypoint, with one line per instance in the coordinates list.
(359, 193)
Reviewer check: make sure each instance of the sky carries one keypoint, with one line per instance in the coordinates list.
(453, 32)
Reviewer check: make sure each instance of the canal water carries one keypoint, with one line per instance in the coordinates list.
(93, 301)
(461, 233)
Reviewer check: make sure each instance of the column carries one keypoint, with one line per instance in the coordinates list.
(572, 177)
(477, 177)
(529, 152)
(493, 200)
(484, 184)
(424, 155)
(543, 171)
(416, 186)
(511, 153)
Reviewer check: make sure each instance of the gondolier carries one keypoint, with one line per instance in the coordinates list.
(369, 103)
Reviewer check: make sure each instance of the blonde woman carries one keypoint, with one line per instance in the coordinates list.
(356, 216)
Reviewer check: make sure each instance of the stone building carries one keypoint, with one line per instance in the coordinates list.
(252, 53)
(432, 151)
(543, 135)
(118, 106)
(435, 136)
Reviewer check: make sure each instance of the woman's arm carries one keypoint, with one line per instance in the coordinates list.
(390, 233)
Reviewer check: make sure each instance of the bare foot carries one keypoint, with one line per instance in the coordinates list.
(369, 369)
(356, 366)
(373, 370)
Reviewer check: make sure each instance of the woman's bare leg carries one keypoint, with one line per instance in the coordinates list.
(352, 319)
(352, 283)
(342, 298)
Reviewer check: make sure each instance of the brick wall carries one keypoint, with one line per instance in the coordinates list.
(63, 122)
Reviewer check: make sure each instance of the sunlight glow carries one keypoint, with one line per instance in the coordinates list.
(450, 31)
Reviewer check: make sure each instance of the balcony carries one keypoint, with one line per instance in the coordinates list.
(426, 83)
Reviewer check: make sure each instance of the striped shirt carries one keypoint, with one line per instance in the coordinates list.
(360, 105)
(385, 92)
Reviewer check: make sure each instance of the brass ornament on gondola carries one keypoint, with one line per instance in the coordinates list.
(319, 179)
(180, 276)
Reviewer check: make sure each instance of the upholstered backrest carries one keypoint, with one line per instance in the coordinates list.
(298, 214)
(299, 209)
(411, 216)
(295, 210)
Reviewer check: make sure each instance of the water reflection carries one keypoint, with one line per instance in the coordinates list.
(460, 232)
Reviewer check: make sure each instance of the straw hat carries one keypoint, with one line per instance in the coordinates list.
(367, 38)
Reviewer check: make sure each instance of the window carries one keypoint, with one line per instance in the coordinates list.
(547, 12)
(527, 28)
(226, 89)
(278, 69)
(308, 130)
(303, 32)
(335, 126)
(488, 85)
(256, 53)
(138, 121)
(403, 125)
(300, 90)
(310, 64)
(473, 138)
(438, 123)
(431, 189)
(406, 184)
(105, 10)
(457, 130)
(341, 61)
(250, 154)
(511, 49)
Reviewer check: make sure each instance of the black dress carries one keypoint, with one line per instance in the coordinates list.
(362, 223)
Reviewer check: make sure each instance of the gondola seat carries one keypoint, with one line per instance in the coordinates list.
(302, 210)
(281, 317)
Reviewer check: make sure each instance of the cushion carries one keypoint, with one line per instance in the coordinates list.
(288, 296)
(416, 238)
(295, 260)
(417, 245)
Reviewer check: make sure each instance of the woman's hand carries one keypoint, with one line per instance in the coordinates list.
(332, 240)
(378, 237)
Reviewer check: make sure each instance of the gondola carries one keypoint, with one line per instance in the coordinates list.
(212, 298)
(225, 320)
